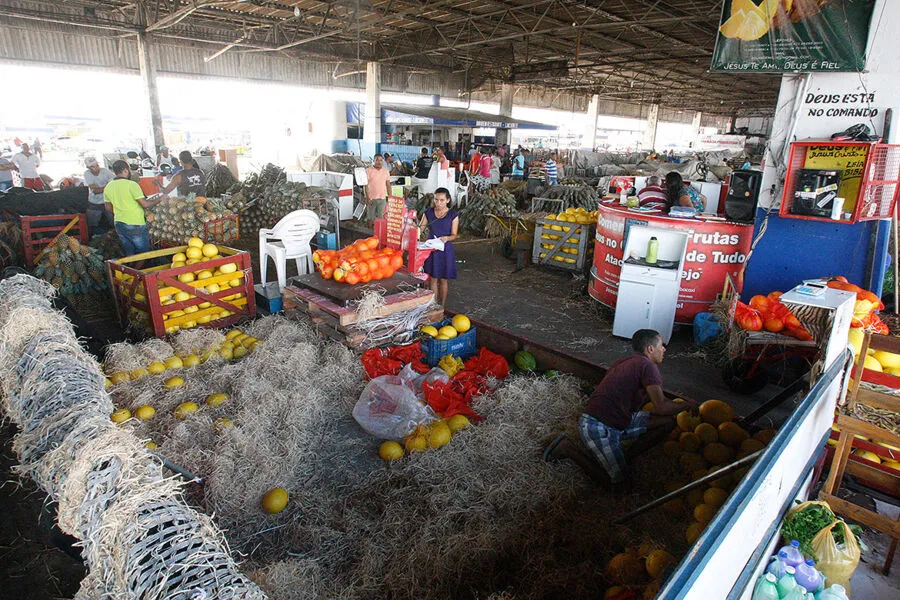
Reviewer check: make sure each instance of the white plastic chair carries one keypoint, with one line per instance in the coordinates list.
(289, 239)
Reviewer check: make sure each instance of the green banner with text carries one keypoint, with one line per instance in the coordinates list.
(775, 36)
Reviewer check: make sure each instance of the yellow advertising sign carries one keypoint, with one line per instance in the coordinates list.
(850, 160)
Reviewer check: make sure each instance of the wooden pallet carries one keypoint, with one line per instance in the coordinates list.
(308, 300)
(338, 322)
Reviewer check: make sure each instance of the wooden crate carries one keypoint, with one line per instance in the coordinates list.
(572, 250)
(139, 293)
(40, 230)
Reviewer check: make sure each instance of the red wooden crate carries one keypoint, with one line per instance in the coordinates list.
(38, 231)
(137, 292)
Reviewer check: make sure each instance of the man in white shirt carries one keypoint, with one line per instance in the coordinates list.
(28, 163)
(96, 178)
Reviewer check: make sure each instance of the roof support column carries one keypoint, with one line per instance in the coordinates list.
(372, 128)
(650, 132)
(507, 90)
(592, 114)
(148, 75)
(695, 129)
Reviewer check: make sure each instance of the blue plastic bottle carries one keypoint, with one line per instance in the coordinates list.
(787, 582)
(777, 564)
(793, 555)
(808, 576)
(766, 588)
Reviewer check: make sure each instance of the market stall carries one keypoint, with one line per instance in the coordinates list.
(716, 248)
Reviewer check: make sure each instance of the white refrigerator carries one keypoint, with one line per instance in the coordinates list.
(648, 293)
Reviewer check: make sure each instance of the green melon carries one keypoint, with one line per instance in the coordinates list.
(525, 361)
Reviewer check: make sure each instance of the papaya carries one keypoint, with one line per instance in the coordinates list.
(525, 361)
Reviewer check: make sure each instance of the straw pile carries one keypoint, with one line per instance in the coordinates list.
(481, 516)
(140, 540)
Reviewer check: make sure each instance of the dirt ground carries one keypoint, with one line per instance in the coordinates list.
(547, 305)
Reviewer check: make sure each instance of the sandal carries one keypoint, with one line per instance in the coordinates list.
(549, 450)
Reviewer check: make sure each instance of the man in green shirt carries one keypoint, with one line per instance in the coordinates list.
(125, 199)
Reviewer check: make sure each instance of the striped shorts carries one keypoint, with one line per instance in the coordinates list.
(605, 442)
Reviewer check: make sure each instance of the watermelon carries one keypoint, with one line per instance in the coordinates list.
(525, 361)
(551, 374)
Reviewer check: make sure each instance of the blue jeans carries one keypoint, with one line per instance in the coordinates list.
(135, 238)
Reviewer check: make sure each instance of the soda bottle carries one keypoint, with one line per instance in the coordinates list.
(793, 555)
(777, 565)
(766, 588)
(808, 576)
(787, 582)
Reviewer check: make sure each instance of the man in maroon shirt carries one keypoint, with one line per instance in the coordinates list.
(613, 414)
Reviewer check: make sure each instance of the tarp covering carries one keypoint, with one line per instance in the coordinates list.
(414, 114)
(25, 202)
(333, 163)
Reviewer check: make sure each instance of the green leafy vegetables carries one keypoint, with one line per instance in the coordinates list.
(803, 525)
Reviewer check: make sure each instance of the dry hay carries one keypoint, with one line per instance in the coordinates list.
(481, 517)
(139, 538)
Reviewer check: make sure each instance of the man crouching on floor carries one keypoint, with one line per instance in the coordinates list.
(613, 414)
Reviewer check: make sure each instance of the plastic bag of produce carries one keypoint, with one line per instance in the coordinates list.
(836, 561)
(388, 408)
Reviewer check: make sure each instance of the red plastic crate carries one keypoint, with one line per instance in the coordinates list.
(147, 312)
(39, 231)
(222, 231)
(879, 182)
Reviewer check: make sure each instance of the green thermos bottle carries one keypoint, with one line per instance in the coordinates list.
(652, 250)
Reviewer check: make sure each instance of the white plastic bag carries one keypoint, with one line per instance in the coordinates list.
(388, 408)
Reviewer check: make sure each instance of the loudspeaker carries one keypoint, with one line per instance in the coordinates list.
(743, 195)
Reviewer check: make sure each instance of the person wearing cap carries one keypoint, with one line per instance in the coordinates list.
(164, 158)
(96, 178)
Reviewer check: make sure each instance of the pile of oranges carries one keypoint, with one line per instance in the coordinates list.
(360, 262)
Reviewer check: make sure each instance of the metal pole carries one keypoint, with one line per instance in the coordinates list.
(694, 484)
(148, 75)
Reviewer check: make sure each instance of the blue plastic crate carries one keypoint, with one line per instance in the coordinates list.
(462, 345)
(326, 240)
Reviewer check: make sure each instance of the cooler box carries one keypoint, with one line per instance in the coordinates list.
(268, 298)
(325, 240)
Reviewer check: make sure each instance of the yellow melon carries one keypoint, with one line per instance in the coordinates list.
(275, 500)
(872, 364)
(716, 412)
(686, 421)
(765, 435)
(390, 451)
(717, 453)
(752, 445)
(694, 497)
(704, 513)
(715, 497)
(692, 533)
(689, 441)
(732, 434)
(707, 433)
(657, 562)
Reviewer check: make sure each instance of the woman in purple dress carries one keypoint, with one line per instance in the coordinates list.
(443, 223)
